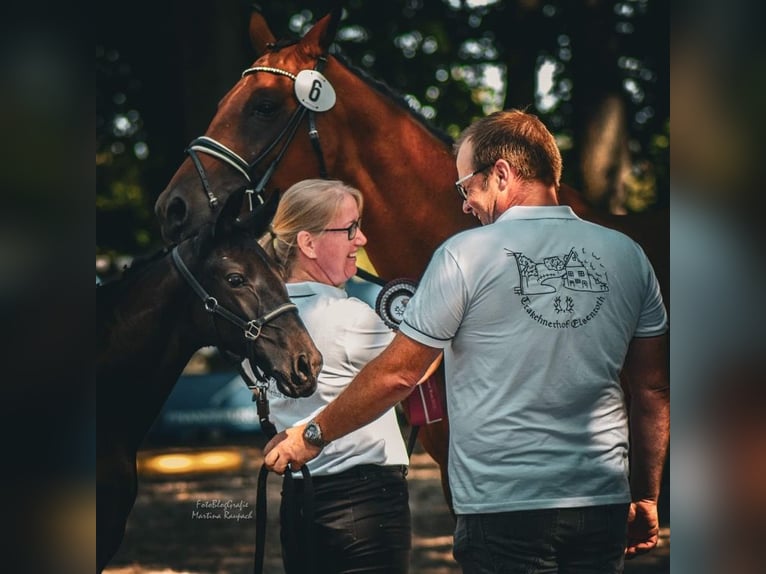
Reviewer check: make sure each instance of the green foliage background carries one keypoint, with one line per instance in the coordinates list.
(161, 67)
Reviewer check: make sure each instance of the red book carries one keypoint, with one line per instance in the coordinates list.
(425, 404)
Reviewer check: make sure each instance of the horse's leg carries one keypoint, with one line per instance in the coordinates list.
(435, 440)
(116, 490)
(435, 436)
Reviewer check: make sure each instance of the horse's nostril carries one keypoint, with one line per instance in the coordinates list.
(177, 211)
(303, 367)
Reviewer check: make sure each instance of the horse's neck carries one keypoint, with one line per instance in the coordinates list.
(144, 347)
(406, 174)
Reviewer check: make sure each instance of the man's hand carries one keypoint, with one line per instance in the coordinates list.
(643, 528)
(288, 447)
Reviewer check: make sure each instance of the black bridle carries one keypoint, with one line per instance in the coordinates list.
(259, 386)
(251, 328)
(216, 149)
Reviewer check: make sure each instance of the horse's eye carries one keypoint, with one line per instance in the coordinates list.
(235, 279)
(265, 108)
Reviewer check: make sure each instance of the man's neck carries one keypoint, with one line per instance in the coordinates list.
(536, 193)
(532, 194)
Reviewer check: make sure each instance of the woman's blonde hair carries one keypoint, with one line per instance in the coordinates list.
(308, 205)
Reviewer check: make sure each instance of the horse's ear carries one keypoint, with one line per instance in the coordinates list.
(227, 217)
(323, 32)
(260, 33)
(258, 221)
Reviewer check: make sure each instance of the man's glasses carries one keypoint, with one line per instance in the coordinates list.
(459, 183)
(350, 230)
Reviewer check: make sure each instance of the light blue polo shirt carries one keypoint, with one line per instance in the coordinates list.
(535, 313)
(349, 334)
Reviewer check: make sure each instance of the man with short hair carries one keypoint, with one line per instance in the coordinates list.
(537, 313)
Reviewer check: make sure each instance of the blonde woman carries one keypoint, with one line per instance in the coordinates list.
(362, 517)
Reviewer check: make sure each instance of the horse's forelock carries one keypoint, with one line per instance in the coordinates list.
(378, 85)
(283, 43)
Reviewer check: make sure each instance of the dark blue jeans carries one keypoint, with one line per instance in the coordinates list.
(557, 541)
(361, 523)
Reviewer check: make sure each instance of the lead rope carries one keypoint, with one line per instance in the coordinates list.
(259, 387)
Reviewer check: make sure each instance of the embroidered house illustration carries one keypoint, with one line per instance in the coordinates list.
(579, 277)
(573, 271)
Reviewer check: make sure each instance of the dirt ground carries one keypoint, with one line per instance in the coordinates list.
(170, 531)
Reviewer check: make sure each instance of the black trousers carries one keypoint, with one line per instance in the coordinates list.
(585, 540)
(361, 523)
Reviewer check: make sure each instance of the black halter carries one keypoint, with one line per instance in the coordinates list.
(259, 386)
(252, 329)
(216, 149)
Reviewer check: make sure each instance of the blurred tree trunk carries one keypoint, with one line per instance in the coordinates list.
(600, 115)
(214, 45)
(523, 30)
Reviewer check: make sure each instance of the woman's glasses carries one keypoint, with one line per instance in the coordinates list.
(350, 230)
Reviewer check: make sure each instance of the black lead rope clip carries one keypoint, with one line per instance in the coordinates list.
(260, 396)
(259, 385)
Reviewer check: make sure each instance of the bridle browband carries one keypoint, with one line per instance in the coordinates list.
(216, 149)
(252, 329)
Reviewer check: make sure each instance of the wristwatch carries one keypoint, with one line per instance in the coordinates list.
(312, 434)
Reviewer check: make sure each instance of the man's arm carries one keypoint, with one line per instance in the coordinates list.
(385, 381)
(646, 368)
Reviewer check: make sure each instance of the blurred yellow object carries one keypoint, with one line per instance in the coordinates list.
(189, 462)
(364, 262)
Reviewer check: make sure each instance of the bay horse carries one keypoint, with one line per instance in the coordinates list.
(216, 287)
(300, 112)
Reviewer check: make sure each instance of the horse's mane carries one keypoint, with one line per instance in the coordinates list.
(386, 90)
(111, 291)
(378, 85)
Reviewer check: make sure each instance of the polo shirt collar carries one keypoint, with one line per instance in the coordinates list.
(309, 288)
(538, 212)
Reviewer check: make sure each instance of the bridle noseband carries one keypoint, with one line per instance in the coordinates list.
(252, 329)
(216, 149)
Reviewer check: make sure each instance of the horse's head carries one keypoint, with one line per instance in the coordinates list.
(253, 131)
(245, 295)
(299, 113)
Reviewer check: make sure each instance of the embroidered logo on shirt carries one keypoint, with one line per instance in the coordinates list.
(561, 291)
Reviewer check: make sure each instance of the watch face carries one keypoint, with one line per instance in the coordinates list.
(313, 434)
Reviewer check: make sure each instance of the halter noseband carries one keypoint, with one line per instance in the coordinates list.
(252, 329)
(216, 149)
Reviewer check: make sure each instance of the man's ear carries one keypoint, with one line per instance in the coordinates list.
(505, 173)
(306, 244)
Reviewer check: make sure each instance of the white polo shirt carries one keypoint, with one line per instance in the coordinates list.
(535, 313)
(349, 334)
